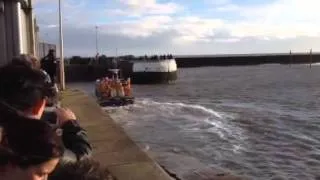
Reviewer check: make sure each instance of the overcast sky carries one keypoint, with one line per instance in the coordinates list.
(182, 26)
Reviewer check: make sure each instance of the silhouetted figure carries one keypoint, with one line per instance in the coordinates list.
(48, 63)
(114, 63)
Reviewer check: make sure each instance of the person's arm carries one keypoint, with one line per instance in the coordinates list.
(76, 140)
(51, 118)
(74, 137)
(48, 79)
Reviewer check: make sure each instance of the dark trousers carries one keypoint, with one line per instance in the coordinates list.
(52, 76)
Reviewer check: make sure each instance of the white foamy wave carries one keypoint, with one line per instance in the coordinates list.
(182, 105)
(117, 108)
(198, 115)
(121, 114)
(313, 64)
(183, 117)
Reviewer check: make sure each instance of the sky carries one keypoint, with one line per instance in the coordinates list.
(181, 27)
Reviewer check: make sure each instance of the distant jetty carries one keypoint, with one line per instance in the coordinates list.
(150, 70)
(185, 61)
(83, 69)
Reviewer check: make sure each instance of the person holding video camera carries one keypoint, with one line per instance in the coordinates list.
(24, 91)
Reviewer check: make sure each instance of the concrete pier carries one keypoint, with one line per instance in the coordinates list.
(111, 146)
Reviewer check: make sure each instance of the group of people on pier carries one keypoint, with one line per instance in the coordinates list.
(36, 144)
(156, 57)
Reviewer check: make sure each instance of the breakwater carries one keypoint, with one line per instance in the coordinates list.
(246, 59)
(79, 69)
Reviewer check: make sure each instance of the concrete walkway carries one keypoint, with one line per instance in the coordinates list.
(111, 146)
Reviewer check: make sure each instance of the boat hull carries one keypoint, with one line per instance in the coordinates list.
(114, 101)
(153, 77)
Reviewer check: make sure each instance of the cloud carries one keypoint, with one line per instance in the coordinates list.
(279, 19)
(137, 26)
(218, 2)
(186, 28)
(143, 27)
(41, 1)
(192, 28)
(81, 41)
(145, 7)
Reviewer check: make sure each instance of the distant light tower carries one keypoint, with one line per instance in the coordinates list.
(97, 48)
(62, 78)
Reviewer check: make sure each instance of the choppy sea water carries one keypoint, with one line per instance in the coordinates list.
(262, 122)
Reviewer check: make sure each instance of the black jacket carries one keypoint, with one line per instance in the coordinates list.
(48, 63)
(74, 138)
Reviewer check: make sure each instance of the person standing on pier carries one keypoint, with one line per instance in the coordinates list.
(48, 63)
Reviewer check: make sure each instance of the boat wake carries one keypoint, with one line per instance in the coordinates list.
(182, 106)
(177, 117)
(175, 132)
(147, 108)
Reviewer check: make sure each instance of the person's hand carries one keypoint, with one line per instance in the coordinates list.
(64, 115)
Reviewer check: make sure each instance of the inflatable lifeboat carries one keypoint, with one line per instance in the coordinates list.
(113, 91)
